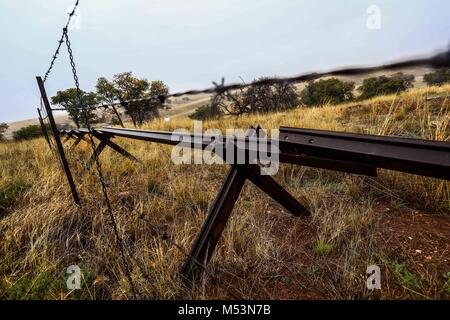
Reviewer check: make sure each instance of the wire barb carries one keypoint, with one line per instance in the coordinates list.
(61, 41)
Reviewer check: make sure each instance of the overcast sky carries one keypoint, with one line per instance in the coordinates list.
(188, 44)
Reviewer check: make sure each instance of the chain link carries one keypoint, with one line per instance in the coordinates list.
(119, 240)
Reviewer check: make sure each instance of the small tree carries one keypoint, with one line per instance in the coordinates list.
(3, 128)
(209, 111)
(271, 98)
(68, 99)
(383, 85)
(108, 94)
(332, 91)
(125, 87)
(258, 99)
(158, 89)
(438, 77)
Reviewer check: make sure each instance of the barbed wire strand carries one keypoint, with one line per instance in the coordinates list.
(61, 41)
(441, 60)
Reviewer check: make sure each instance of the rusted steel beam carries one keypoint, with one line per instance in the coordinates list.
(56, 136)
(360, 168)
(214, 225)
(273, 189)
(100, 147)
(107, 140)
(338, 151)
(421, 157)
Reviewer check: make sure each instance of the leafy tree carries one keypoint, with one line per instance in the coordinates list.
(438, 77)
(323, 91)
(258, 99)
(382, 85)
(68, 99)
(125, 87)
(108, 94)
(3, 128)
(271, 98)
(158, 89)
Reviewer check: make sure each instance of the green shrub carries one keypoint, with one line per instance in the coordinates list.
(269, 98)
(438, 77)
(69, 100)
(153, 186)
(323, 247)
(45, 285)
(262, 98)
(206, 112)
(383, 85)
(30, 132)
(406, 277)
(332, 91)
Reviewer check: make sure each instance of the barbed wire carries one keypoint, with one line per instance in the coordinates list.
(61, 41)
(441, 60)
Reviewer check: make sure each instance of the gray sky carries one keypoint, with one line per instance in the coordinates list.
(188, 44)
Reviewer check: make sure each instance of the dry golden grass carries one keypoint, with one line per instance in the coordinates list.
(264, 252)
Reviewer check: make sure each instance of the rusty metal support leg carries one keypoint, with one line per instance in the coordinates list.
(79, 135)
(69, 136)
(59, 146)
(115, 147)
(96, 153)
(78, 138)
(219, 214)
(106, 141)
(215, 223)
(274, 190)
(77, 142)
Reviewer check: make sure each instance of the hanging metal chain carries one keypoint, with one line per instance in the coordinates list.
(119, 240)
